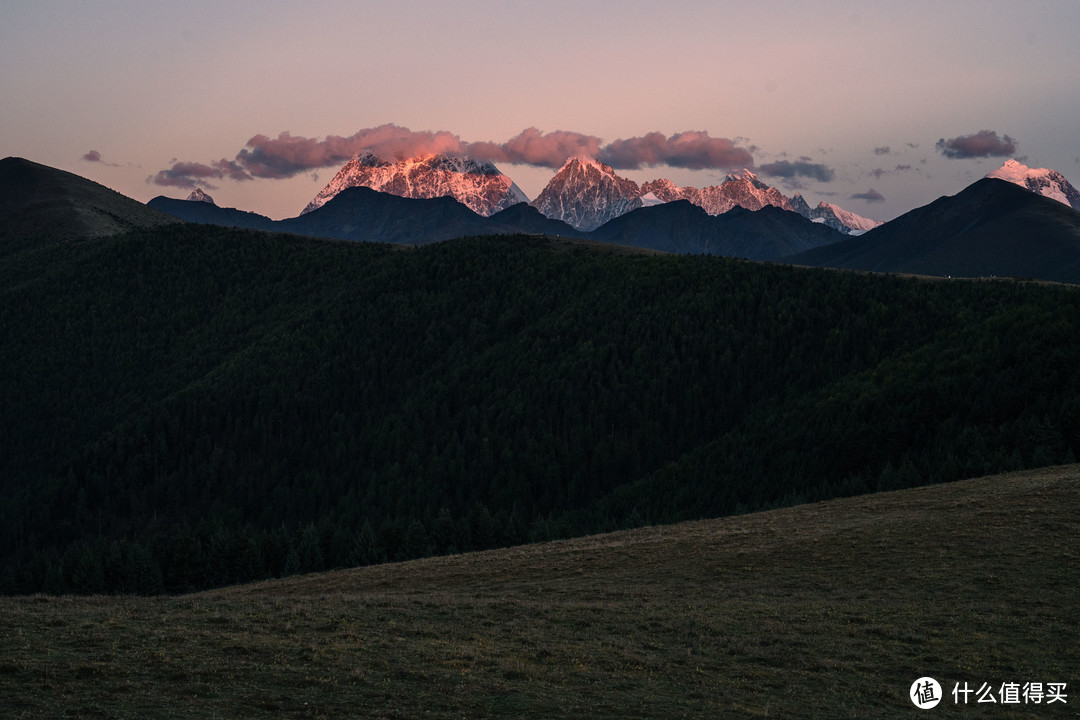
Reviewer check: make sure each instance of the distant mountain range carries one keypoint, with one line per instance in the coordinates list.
(360, 213)
(584, 193)
(992, 228)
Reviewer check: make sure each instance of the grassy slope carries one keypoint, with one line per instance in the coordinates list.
(824, 610)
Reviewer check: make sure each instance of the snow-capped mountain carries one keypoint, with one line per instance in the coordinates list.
(478, 185)
(747, 191)
(1043, 181)
(198, 195)
(586, 193)
(840, 219)
(744, 190)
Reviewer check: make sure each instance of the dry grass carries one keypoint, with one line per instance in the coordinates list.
(825, 610)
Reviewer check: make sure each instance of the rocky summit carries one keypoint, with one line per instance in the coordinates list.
(477, 185)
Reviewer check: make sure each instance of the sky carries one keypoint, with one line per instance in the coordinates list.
(878, 107)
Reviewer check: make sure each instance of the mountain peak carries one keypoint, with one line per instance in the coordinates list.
(744, 174)
(198, 195)
(586, 161)
(478, 185)
(586, 193)
(1046, 182)
(843, 220)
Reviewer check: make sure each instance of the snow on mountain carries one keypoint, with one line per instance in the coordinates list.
(666, 191)
(586, 194)
(478, 185)
(747, 191)
(840, 219)
(198, 195)
(649, 199)
(743, 190)
(1046, 182)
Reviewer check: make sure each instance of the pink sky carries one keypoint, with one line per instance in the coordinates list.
(844, 101)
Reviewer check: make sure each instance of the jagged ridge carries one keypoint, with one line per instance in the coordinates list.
(477, 185)
(586, 193)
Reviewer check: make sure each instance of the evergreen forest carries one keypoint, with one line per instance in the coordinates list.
(187, 407)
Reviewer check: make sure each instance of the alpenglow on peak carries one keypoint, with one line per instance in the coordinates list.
(1044, 181)
(478, 185)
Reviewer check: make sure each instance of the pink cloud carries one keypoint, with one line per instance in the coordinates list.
(533, 147)
(694, 150)
(288, 155)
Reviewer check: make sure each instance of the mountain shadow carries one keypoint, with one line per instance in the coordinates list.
(204, 213)
(991, 228)
(685, 228)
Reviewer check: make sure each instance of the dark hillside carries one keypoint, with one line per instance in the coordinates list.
(991, 228)
(681, 227)
(37, 201)
(197, 211)
(195, 406)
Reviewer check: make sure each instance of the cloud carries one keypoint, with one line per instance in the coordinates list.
(533, 147)
(902, 168)
(788, 169)
(95, 157)
(288, 155)
(870, 195)
(694, 150)
(984, 143)
(884, 150)
(190, 174)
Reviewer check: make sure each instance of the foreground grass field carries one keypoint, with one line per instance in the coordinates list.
(829, 610)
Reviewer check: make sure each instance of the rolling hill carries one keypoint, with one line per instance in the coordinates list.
(37, 201)
(824, 610)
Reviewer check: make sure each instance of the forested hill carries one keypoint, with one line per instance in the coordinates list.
(192, 406)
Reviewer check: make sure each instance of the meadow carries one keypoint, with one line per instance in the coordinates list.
(828, 609)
